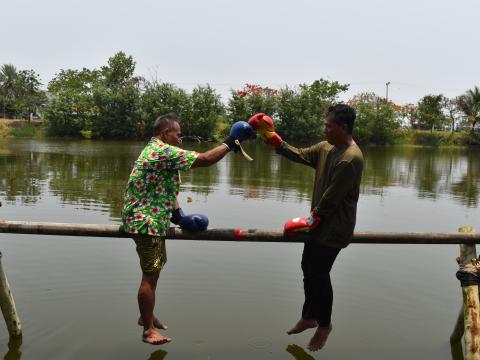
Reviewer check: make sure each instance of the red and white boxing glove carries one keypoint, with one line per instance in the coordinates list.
(301, 225)
(264, 126)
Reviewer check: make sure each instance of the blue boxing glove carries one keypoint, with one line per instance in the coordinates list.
(191, 223)
(241, 130)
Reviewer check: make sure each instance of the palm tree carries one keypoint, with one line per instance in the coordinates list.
(469, 103)
(8, 79)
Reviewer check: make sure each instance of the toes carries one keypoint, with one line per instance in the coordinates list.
(156, 341)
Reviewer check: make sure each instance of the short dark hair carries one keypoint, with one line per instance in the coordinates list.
(164, 122)
(343, 115)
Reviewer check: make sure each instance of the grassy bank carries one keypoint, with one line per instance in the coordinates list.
(438, 138)
(15, 128)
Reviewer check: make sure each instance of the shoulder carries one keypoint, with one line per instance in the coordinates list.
(320, 147)
(354, 155)
(324, 146)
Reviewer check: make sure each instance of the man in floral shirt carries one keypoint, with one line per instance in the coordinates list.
(151, 199)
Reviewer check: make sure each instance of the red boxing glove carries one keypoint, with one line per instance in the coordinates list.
(255, 120)
(265, 127)
(301, 225)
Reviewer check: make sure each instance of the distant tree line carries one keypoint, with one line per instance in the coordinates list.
(113, 103)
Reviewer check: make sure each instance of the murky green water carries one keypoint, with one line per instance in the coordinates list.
(77, 296)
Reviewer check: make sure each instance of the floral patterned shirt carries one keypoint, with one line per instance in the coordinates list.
(153, 187)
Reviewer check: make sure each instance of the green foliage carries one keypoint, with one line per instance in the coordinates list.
(20, 93)
(119, 71)
(469, 104)
(302, 111)
(206, 115)
(116, 98)
(117, 112)
(377, 119)
(62, 118)
(430, 112)
(110, 102)
(297, 112)
(159, 99)
(71, 108)
(441, 138)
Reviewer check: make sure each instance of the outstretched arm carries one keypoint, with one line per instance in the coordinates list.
(239, 132)
(307, 156)
(264, 126)
(210, 157)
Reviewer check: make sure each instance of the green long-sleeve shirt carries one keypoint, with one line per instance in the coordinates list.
(338, 173)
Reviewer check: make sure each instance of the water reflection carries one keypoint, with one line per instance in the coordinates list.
(158, 355)
(14, 352)
(432, 172)
(93, 174)
(298, 352)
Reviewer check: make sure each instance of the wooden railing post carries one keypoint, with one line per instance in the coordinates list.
(469, 317)
(8, 306)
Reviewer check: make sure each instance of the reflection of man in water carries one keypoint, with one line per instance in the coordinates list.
(338, 164)
(150, 203)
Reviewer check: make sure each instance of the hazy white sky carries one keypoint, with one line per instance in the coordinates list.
(420, 46)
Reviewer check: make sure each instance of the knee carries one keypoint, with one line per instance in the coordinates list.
(150, 278)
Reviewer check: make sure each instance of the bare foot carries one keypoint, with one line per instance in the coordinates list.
(156, 323)
(153, 337)
(319, 338)
(302, 325)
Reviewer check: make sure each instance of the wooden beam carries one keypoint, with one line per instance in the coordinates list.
(7, 305)
(254, 235)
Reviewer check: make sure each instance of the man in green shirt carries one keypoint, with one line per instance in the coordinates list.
(338, 164)
(150, 203)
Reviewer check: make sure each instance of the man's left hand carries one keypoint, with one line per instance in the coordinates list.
(300, 225)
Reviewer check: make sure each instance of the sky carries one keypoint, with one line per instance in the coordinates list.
(420, 46)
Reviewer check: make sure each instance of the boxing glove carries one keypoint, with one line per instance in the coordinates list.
(240, 131)
(191, 223)
(263, 125)
(300, 225)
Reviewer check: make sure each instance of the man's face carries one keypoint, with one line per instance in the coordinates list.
(172, 135)
(334, 132)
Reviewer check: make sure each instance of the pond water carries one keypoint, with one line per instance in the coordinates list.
(76, 296)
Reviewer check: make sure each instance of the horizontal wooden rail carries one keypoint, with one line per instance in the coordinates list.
(254, 235)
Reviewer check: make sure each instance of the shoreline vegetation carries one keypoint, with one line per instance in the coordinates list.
(111, 102)
(38, 129)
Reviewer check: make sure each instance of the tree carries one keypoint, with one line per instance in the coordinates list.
(207, 113)
(20, 92)
(29, 95)
(8, 81)
(250, 100)
(159, 99)
(116, 98)
(408, 112)
(429, 111)
(450, 106)
(377, 119)
(469, 103)
(119, 71)
(71, 107)
(301, 111)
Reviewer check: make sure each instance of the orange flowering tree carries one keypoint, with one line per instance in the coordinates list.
(250, 100)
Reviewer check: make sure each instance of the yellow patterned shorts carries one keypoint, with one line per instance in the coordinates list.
(152, 253)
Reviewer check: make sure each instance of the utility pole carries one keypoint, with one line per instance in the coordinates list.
(388, 83)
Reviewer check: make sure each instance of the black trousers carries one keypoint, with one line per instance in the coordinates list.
(317, 261)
